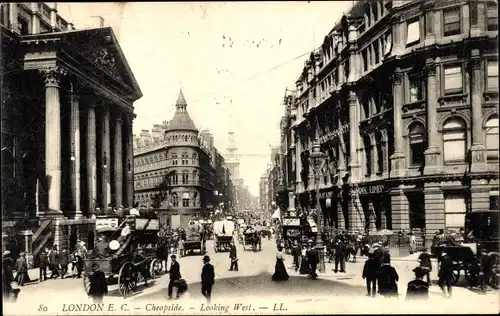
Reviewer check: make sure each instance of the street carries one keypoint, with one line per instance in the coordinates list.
(252, 287)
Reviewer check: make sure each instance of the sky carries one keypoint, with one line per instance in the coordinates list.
(232, 60)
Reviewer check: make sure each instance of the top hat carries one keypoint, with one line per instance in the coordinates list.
(206, 258)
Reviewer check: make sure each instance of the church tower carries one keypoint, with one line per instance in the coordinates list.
(232, 159)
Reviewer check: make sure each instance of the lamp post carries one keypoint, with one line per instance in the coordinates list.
(318, 160)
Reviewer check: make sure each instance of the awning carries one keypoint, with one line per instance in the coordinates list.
(276, 214)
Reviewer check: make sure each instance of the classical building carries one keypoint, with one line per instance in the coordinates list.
(178, 171)
(403, 98)
(67, 114)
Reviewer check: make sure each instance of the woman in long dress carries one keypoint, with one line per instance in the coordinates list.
(280, 273)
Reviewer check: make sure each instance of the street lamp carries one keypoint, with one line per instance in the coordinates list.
(317, 161)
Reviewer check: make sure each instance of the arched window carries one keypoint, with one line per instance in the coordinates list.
(368, 155)
(174, 177)
(185, 177)
(454, 140)
(185, 199)
(174, 159)
(185, 158)
(175, 200)
(195, 176)
(491, 129)
(418, 144)
(195, 158)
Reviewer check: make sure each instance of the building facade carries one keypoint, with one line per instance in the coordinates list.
(178, 171)
(403, 98)
(67, 115)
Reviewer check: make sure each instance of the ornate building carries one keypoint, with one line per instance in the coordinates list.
(180, 173)
(67, 114)
(403, 98)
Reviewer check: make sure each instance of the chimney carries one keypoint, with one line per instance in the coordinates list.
(96, 21)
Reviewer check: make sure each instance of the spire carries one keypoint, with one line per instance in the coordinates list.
(181, 120)
(181, 102)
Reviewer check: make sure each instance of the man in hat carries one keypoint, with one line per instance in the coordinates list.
(418, 288)
(296, 254)
(207, 278)
(8, 291)
(233, 257)
(426, 264)
(43, 262)
(175, 275)
(98, 284)
(22, 269)
(486, 270)
(445, 274)
(54, 262)
(340, 257)
(313, 260)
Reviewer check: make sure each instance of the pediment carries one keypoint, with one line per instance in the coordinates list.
(101, 48)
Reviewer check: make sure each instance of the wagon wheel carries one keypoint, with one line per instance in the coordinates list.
(127, 279)
(472, 274)
(455, 275)
(86, 283)
(155, 268)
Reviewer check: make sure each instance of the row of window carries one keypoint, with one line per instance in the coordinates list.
(186, 201)
(452, 22)
(149, 161)
(374, 53)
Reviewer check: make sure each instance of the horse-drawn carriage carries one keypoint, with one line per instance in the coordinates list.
(125, 252)
(223, 232)
(482, 230)
(251, 237)
(193, 240)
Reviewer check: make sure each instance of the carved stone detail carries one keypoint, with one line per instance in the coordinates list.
(52, 75)
(475, 63)
(430, 69)
(397, 77)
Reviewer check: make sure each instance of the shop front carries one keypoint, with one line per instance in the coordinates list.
(328, 199)
(375, 201)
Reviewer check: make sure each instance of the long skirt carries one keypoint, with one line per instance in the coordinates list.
(280, 273)
(304, 266)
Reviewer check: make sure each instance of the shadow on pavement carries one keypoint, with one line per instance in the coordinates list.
(261, 284)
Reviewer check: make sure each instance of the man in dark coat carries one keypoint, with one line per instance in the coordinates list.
(54, 263)
(233, 257)
(64, 262)
(8, 265)
(418, 288)
(445, 274)
(313, 260)
(296, 255)
(22, 269)
(98, 284)
(339, 257)
(43, 262)
(175, 275)
(486, 270)
(78, 264)
(426, 264)
(207, 278)
(370, 271)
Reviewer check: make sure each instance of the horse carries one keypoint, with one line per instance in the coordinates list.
(351, 249)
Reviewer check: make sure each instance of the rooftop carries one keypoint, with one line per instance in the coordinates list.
(181, 120)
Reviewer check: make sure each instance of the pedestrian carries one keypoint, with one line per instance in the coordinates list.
(418, 289)
(64, 262)
(43, 262)
(77, 264)
(280, 273)
(98, 284)
(233, 257)
(22, 269)
(486, 266)
(54, 262)
(445, 274)
(181, 248)
(378, 253)
(339, 257)
(207, 278)
(370, 275)
(425, 262)
(313, 260)
(296, 255)
(10, 290)
(387, 278)
(175, 275)
(304, 265)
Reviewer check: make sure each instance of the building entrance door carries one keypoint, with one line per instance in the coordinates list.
(416, 203)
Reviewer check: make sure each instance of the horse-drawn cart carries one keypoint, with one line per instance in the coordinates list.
(125, 252)
(223, 232)
(251, 237)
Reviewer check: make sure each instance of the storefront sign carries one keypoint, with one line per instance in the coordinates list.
(326, 195)
(103, 223)
(334, 134)
(290, 221)
(372, 189)
(147, 224)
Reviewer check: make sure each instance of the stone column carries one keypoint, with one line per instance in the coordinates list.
(353, 136)
(398, 158)
(13, 16)
(118, 162)
(53, 140)
(478, 150)
(91, 158)
(342, 147)
(35, 20)
(105, 149)
(432, 153)
(130, 163)
(291, 202)
(75, 148)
